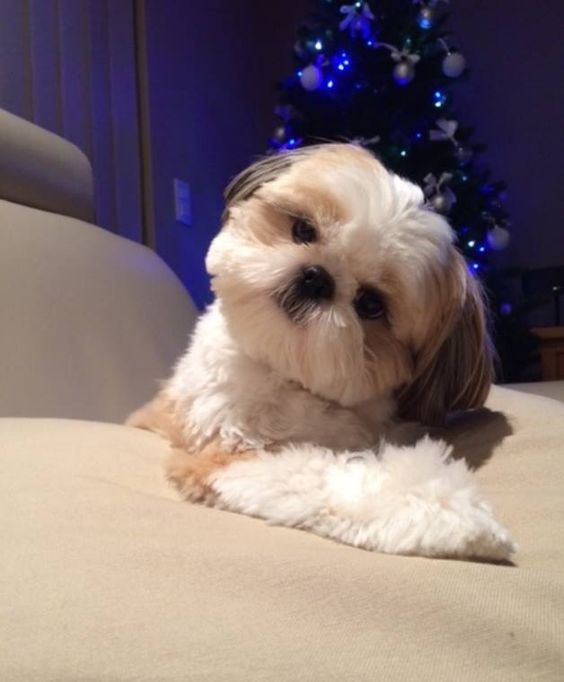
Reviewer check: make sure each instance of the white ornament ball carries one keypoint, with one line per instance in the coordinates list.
(498, 238)
(453, 64)
(442, 203)
(311, 77)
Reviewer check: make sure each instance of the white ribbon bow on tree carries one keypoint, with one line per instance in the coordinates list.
(398, 55)
(446, 130)
(403, 55)
(434, 186)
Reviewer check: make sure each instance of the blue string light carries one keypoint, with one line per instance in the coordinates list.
(291, 143)
(471, 243)
(424, 22)
(343, 61)
(482, 249)
(318, 45)
(330, 83)
(440, 99)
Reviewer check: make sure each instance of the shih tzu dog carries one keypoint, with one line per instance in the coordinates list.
(342, 307)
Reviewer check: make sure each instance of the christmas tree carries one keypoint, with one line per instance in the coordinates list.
(382, 73)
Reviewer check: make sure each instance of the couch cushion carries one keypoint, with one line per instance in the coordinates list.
(41, 169)
(90, 321)
(548, 389)
(107, 576)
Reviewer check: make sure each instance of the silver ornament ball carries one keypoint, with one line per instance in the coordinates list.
(453, 64)
(442, 203)
(311, 77)
(404, 72)
(498, 238)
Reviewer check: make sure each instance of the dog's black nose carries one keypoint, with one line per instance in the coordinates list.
(316, 284)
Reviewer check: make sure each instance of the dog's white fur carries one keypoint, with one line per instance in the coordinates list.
(407, 500)
(284, 417)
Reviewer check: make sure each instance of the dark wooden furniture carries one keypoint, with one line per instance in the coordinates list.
(551, 341)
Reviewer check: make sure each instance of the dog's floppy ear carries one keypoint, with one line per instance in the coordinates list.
(454, 368)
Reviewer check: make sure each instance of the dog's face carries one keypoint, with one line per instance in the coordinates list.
(330, 270)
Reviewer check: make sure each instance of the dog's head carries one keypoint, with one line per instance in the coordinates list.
(331, 271)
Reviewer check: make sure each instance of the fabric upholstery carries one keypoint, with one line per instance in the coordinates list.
(548, 389)
(90, 321)
(106, 575)
(41, 169)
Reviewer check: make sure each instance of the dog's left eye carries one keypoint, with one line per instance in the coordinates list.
(303, 232)
(368, 304)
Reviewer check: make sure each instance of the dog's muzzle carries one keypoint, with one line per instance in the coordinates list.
(312, 287)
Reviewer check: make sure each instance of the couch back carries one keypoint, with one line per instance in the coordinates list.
(89, 321)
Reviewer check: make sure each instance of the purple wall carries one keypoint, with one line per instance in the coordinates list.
(213, 65)
(515, 97)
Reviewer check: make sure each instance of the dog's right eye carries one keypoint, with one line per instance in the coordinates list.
(368, 304)
(303, 232)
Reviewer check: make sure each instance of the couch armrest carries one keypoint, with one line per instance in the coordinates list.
(90, 321)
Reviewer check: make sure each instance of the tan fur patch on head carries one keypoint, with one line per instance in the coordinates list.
(302, 194)
(307, 202)
(262, 222)
(336, 154)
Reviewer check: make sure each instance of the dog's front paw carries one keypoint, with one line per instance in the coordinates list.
(417, 501)
(454, 526)
(476, 534)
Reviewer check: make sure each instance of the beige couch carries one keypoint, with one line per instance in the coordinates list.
(106, 575)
